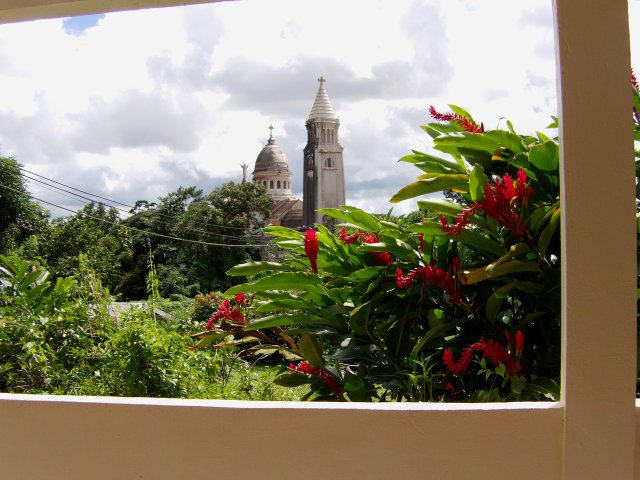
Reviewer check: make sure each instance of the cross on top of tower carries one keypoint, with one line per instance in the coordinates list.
(321, 80)
(271, 140)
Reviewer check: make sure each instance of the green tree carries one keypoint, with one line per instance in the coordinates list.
(222, 217)
(20, 216)
(226, 216)
(93, 231)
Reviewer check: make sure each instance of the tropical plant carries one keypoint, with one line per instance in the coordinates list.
(464, 305)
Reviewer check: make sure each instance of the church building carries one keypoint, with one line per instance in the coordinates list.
(323, 181)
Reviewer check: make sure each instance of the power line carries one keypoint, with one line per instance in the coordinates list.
(52, 187)
(111, 200)
(153, 234)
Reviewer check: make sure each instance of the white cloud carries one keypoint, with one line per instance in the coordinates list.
(146, 101)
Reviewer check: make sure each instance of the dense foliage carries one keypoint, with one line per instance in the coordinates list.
(186, 232)
(20, 216)
(464, 305)
(57, 337)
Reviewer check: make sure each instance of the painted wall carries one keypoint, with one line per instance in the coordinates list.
(591, 433)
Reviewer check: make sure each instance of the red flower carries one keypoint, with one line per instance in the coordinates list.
(434, 276)
(240, 298)
(328, 379)
(519, 342)
(346, 238)
(383, 258)
(491, 350)
(502, 202)
(402, 281)
(634, 81)
(462, 365)
(311, 247)
(226, 312)
(466, 123)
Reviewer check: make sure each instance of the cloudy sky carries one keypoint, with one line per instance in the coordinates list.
(133, 105)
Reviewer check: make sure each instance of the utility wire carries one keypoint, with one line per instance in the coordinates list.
(110, 200)
(54, 189)
(153, 234)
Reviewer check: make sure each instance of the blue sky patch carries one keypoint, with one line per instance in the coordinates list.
(77, 25)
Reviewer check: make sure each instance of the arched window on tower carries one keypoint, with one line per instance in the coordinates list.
(328, 163)
(278, 184)
(271, 184)
(264, 182)
(323, 136)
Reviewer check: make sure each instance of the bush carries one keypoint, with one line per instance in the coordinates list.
(464, 305)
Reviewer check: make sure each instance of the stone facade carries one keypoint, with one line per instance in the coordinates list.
(323, 164)
(323, 182)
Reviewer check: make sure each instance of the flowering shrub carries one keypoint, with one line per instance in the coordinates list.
(463, 305)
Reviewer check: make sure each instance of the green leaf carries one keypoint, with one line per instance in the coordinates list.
(279, 281)
(435, 316)
(546, 387)
(495, 301)
(547, 233)
(365, 273)
(284, 304)
(480, 242)
(545, 157)
(460, 111)
(353, 215)
(204, 339)
(360, 318)
(282, 232)
(355, 388)
(488, 142)
(427, 227)
(506, 268)
(280, 320)
(291, 380)
(436, 183)
(445, 207)
(517, 385)
(436, 332)
(311, 350)
(428, 163)
(506, 139)
(477, 182)
(252, 268)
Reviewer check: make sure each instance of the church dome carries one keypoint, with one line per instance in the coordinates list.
(271, 159)
(272, 171)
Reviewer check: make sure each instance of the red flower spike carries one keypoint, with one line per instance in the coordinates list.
(226, 312)
(240, 298)
(434, 276)
(519, 343)
(634, 81)
(501, 201)
(328, 379)
(383, 258)
(461, 366)
(346, 238)
(311, 247)
(463, 122)
(402, 281)
(421, 241)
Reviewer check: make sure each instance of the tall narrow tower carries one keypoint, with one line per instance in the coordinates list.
(323, 166)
